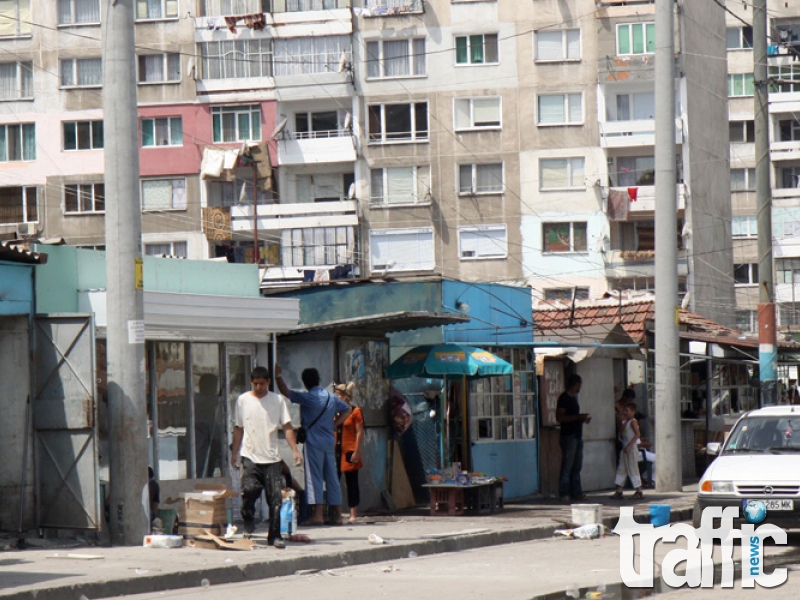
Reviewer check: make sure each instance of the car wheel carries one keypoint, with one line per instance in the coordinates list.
(697, 515)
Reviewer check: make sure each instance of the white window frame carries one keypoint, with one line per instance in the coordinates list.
(172, 247)
(170, 131)
(254, 112)
(568, 101)
(413, 136)
(749, 180)
(178, 200)
(420, 185)
(565, 294)
(630, 27)
(741, 42)
(415, 59)
(751, 274)
(732, 83)
(747, 226)
(317, 246)
(75, 73)
(475, 168)
(570, 165)
(468, 37)
(482, 242)
(73, 14)
(169, 62)
(92, 126)
(247, 59)
(23, 88)
(165, 6)
(20, 21)
(422, 244)
(572, 249)
(470, 105)
(25, 191)
(91, 191)
(565, 45)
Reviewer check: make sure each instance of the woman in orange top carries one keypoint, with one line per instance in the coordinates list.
(350, 439)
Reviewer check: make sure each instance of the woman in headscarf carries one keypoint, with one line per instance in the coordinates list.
(349, 441)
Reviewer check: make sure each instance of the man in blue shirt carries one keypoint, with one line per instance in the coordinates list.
(318, 410)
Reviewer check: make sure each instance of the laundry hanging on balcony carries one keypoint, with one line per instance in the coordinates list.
(617, 205)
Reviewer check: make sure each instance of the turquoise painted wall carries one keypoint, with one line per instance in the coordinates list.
(519, 461)
(16, 289)
(69, 270)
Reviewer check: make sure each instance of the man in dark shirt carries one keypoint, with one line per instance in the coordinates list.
(571, 419)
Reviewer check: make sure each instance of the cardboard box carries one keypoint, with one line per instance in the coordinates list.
(202, 510)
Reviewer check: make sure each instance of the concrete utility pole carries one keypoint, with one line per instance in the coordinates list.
(124, 302)
(767, 337)
(667, 393)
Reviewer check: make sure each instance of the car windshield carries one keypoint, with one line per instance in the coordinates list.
(765, 435)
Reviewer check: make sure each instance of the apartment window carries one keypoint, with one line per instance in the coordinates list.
(236, 123)
(399, 185)
(310, 54)
(477, 113)
(744, 226)
(787, 178)
(16, 80)
(83, 135)
(323, 124)
(783, 78)
(84, 198)
(317, 246)
(560, 173)
(635, 106)
(740, 84)
(743, 180)
(232, 193)
(17, 142)
(156, 9)
(236, 59)
(15, 18)
(401, 249)
(245, 7)
(320, 187)
(164, 194)
(747, 321)
(476, 49)
(176, 249)
(398, 122)
(635, 170)
(78, 12)
(636, 38)
(81, 72)
(566, 294)
(739, 38)
(483, 241)
(560, 109)
(159, 68)
(787, 270)
(165, 131)
(742, 132)
(480, 179)
(563, 44)
(745, 274)
(18, 205)
(396, 58)
(788, 130)
(564, 237)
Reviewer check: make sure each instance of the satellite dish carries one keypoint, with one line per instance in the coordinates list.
(280, 127)
(342, 62)
(351, 192)
(348, 120)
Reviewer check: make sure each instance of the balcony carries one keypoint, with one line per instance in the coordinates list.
(631, 264)
(316, 147)
(227, 8)
(277, 217)
(392, 8)
(630, 134)
(645, 203)
(784, 151)
(607, 9)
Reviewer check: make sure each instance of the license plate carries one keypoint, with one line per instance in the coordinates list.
(779, 504)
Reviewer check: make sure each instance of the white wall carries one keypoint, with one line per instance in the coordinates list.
(597, 399)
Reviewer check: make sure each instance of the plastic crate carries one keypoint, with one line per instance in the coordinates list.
(447, 501)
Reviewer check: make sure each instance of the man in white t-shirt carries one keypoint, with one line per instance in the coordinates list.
(259, 414)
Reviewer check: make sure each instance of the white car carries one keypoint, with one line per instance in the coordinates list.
(760, 460)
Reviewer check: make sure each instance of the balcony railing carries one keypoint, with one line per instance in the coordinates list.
(274, 217)
(627, 134)
(316, 150)
(645, 200)
(227, 8)
(625, 264)
(384, 8)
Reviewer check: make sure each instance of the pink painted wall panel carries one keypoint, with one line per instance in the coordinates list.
(197, 134)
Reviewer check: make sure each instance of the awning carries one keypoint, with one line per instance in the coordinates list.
(379, 324)
(11, 253)
(594, 341)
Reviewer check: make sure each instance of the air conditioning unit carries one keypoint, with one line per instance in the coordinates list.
(25, 229)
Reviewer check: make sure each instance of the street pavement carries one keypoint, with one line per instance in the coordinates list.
(67, 569)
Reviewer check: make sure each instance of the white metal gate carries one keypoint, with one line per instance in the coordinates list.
(64, 422)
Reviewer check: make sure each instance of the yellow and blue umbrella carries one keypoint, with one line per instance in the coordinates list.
(448, 359)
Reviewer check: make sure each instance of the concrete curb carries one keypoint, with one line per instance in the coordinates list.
(281, 566)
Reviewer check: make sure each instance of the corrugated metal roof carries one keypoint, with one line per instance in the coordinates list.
(382, 323)
(11, 253)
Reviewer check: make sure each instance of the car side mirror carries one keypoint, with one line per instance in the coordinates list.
(713, 448)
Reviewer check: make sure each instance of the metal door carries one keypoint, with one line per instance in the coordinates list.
(64, 419)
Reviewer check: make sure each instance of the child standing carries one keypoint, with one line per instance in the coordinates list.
(629, 455)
